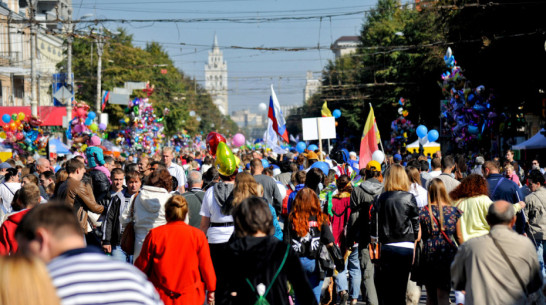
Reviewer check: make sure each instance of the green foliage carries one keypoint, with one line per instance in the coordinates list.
(122, 62)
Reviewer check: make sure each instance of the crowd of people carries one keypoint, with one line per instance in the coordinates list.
(274, 229)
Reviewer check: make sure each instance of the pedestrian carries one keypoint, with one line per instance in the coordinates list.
(307, 231)
(472, 198)
(255, 258)
(194, 196)
(7, 190)
(421, 195)
(510, 173)
(174, 169)
(81, 274)
(448, 166)
(358, 229)
(395, 223)
(24, 281)
(176, 258)
(271, 191)
(535, 210)
(278, 230)
(440, 232)
(339, 218)
(500, 267)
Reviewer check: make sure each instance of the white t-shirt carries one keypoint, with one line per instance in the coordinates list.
(211, 209)
(7, 191)
(178, 172)
(435, 174)
(421, 195)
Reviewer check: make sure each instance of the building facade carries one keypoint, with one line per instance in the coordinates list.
(312, 86)
(345, 45)
(216, 82)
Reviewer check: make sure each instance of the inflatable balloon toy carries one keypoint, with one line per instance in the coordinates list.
(213, 140)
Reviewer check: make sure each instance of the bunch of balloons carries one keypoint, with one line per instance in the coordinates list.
(23, 133)
(226, 162)
(401, 127)
(142, 129)
(425, 135)
(83, 126)
(466, 112)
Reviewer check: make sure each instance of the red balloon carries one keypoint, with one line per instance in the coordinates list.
(213, 139)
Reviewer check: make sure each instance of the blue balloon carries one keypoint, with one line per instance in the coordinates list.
(422, 131)
(323, 166)
(6, 118)
(88, 122)
(265, 163)
(312, 147)
(91, 115)
(433, 135)
(336, 113)
(300, 147)
(472, 129)
(177, 148)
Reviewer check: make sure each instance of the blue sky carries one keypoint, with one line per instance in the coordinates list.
(250, 72)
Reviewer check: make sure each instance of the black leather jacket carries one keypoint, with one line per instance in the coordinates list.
(398, 217)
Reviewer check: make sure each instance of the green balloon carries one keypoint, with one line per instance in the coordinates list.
(14, 117)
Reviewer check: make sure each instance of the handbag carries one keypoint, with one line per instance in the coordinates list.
(127, 242)
(374, 248)
(418, 268)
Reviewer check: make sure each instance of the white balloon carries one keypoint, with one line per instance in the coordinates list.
(423, 141)
(262, 106)
(378, 156)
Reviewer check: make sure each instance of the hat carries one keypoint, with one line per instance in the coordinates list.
(480, 160)
(373, 166)
(95, 141)
(352, 154)
(397, 157)
(5, 165)
(312, 155)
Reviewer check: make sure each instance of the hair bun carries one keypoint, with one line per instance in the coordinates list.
(179, 201)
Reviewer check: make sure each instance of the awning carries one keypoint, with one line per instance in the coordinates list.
(50, 115)
(537, 141)
(58, 147)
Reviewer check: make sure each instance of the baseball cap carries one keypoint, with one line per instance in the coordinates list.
(397, 157)
(312, 155)
(5, 165)
(352, 154)
(373, 166)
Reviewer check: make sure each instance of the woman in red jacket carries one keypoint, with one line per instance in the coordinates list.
(176, 258)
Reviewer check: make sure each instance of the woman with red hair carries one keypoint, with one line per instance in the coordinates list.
(307, 230)
(472, 197)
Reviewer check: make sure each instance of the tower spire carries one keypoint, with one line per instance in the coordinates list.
(215, 43)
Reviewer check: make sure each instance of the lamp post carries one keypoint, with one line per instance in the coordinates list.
(100, 45)
(69, 40)
(33, 92)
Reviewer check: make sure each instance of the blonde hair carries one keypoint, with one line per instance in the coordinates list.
(396, 179)
(25, 281)
(176, 208)
(245, 186)
(437, 195)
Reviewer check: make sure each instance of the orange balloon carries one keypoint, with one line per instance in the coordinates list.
(13, 126)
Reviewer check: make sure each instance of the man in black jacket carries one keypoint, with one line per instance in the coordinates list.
(358, 230)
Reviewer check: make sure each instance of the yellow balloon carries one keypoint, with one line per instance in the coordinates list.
(94, 127)
(21, 116)
(225, 160)
(3, 135)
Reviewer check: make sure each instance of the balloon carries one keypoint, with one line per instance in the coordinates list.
(378, 156)
(300, 147)
(91, 115)
(225, 160)
(238, 140)
(94, 127)
(265, 163)
(88, 122)
(6, 118)
(80, 112)
(213, 139)
(14, 116)
(400, 110)
(12, 126)
(405, 113)
(102, 126)
(19, 136)
(323, 166)
(433, 135)
(422, 131)
(78, 128)
(312, 147)
(473, 129)
(3, 135)
(336, 113)
(423, 141)
(21, 116)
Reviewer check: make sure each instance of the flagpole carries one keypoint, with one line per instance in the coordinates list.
(375, 126)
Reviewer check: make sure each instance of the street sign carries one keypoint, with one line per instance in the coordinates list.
(63, 95)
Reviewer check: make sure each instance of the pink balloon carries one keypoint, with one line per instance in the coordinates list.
(77, 128)
(238, 140)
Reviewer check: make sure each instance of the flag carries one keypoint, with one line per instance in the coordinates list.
(270, 139)
(369, 141)
(325, 112)
(105, 98)
(276, 116)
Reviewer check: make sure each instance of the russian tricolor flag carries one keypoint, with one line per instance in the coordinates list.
(276, 116)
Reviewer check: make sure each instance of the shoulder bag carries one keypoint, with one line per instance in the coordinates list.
(127, 242)
(374, 248)
(449, 240)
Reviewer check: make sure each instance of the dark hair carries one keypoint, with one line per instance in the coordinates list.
(448, 162)
(73, 165)
(117, 171)
(209, 177)
(161, 178)
(48, 175)
(423, 164)
(314, 177)
(256, 163)
(436, 162)
(160, 165)
(300, 177)
(131, 167)
(343, 184)
(252, 215)
(10, 173)
(268, 171)
(176, 208)
(132, 175)
(56, 217)
(207, 160)
(471, 186)
(32, 178)
(535, 176)
(108, 159)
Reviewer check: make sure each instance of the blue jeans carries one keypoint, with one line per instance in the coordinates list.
(312, 273)
(120, 255)
(541, 244)
(352, 266)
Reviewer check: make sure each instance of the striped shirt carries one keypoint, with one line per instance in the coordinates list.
(86, 276)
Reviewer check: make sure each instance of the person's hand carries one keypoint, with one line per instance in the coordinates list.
(107, 248)
(522, 204)
(210, 297)
(373, 239)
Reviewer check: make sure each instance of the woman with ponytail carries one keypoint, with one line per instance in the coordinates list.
(176, 258)
(441, 231)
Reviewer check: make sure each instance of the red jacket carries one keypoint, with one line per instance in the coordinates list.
(176, 258)
(8, 244)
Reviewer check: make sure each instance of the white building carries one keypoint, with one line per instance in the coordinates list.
(345, 45)
(312, 86)
(216, 82)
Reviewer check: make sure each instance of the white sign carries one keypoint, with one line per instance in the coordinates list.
(103, 118)
(310, 128)
(119, 99)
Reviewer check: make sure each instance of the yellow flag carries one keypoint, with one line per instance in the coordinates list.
(325, 111)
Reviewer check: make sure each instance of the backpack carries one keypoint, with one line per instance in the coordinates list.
(261, 291)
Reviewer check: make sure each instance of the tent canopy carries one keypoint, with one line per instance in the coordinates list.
(429, 147)
(537, 141)
(58, 147)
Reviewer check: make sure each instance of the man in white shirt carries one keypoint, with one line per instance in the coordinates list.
(436, 165)
(174, 169)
